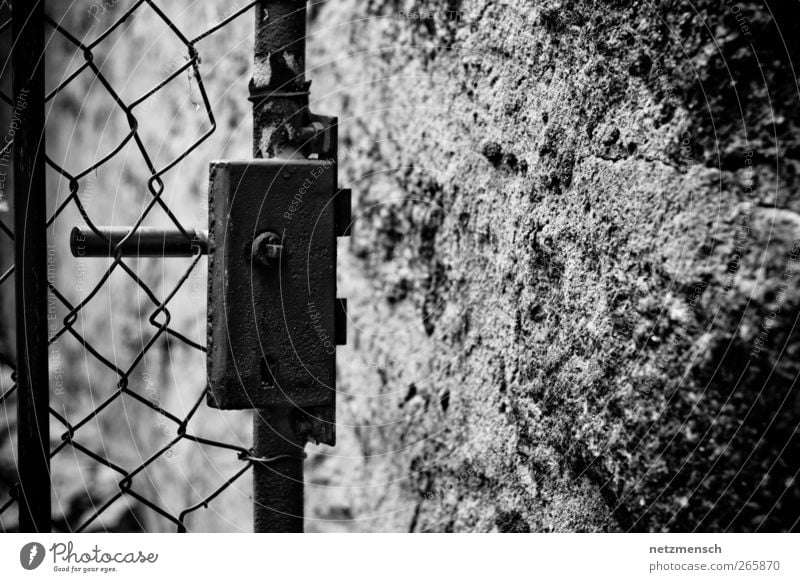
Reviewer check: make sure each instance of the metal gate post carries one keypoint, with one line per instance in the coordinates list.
(277, 485)
(280, 106)
(30, 267)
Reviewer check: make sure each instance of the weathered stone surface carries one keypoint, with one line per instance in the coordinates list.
(574, 221)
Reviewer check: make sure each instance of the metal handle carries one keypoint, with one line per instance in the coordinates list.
(145, 242)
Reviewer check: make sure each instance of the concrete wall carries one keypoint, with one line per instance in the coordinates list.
(574, 276)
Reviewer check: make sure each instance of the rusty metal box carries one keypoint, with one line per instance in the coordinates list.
(271, 318)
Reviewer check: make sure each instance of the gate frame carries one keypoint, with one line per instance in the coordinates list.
(30, 260)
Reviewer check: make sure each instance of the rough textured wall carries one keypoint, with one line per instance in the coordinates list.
(573, 281)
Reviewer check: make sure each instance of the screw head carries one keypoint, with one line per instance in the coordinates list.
(267, 249)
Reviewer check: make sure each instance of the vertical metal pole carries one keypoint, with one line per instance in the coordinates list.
(278, 89)
(280, 107)
(278, 485)
(30, 256)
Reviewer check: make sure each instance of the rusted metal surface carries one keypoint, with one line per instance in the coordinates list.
(286, 362)
(144, 242)
(278, 89)
(271, 328)
(278, 475)
(280, 108)
(30, 216)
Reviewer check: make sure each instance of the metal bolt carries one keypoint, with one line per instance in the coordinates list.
(267, 249)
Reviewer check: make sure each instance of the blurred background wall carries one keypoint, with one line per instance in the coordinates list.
(572, 281)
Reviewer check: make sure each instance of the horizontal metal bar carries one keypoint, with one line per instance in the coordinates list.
(145, 242)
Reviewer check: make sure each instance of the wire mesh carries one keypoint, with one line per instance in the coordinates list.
(80, 437)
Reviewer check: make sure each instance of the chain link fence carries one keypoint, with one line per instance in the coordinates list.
(133, 446)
